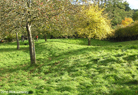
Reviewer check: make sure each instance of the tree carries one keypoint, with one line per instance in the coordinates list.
(62, 24)
(127, 21)
(92, 23)
(135, 16)
(30, 13)
(118, 10)
(8, 25)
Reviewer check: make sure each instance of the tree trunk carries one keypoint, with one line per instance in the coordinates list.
(18, 45)
(45, 37)
(66, 37)
(51, 37)
(31, 44)
(89, 41)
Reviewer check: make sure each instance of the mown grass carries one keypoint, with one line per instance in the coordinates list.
(70, 67)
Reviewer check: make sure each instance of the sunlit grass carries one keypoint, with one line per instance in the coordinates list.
(70, 67)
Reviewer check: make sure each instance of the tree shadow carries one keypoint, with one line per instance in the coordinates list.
(86, 50)
(14, 43)
(59, 64)
(7, 49)
(132, 90)
(94, 42)
(13, 49)
(131, 82)
(83, 41)
(16, 68)
(131, 58)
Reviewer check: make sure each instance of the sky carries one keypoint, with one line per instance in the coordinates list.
(133, 4)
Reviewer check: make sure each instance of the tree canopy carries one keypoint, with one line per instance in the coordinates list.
(92, 23)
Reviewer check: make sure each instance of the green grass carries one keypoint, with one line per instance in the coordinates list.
(70, 67)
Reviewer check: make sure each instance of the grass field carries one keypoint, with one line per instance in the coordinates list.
(70, 67)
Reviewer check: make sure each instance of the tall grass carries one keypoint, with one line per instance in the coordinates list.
(70, 67)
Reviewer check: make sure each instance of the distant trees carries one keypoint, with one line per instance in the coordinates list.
(135, 16)
(26, 14)
(118, 10)
(32, 13)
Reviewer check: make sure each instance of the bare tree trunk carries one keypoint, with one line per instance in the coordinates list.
(45, 37)
(31, 44)
(18, 44)
(89, 41)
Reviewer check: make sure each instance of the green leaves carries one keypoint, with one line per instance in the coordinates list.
(117, 11)
(135, 16)
(128, 32)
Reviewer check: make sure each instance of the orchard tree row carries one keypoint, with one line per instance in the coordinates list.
(30, 15)
(60, 18)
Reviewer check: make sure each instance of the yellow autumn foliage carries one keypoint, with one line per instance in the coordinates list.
(127, 21)
(92, 23)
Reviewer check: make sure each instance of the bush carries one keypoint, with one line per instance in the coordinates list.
(127, 21)
(10, 38)
(125, 33)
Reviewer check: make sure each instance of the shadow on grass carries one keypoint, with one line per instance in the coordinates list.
(16, 68)
(94, 42)
(126, 91)
(131, 58)
(7, 49)
(14, 43)
(86, 50)
(132, 82)
(58, 65)
(83, 41)
(13, 49)
(132, 90)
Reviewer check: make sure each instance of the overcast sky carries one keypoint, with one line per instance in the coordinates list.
(133, 4)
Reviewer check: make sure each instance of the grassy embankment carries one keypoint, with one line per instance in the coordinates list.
(70, 67)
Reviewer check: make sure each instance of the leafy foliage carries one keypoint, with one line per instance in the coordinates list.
(127, 21)
(135, 16)
(92, 23)
(123, 33)
(118, 10)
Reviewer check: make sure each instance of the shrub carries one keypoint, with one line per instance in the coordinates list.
(127, 21)
(124, 33)
(10, 38)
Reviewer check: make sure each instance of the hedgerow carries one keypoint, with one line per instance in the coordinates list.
(124, 33)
